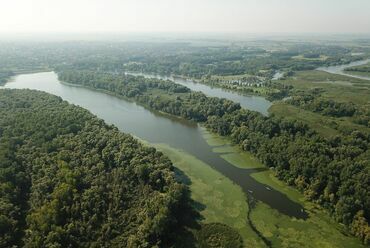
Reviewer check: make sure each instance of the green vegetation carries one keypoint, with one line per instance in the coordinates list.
(332, 84)
(312, 101)
(69, 180)
(326, 104)
(218, 235)
(215, 196)
(319, 230)
(330, 171)
(325, 126)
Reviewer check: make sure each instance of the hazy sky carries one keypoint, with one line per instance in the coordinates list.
(249, 16)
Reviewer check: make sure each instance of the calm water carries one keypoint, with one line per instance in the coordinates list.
(339, 69)
(255, 103)
(155, 128)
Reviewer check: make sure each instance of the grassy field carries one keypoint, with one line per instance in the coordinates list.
(334, 87)
(319, 123)
(319, 230)
(325, 125)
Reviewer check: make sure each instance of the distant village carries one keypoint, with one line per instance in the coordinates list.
(251, 81)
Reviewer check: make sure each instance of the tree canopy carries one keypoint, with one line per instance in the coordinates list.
(69, 180)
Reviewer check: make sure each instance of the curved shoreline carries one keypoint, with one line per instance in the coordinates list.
(340, 69)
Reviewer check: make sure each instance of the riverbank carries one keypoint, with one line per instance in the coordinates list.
(319, 230)
(14, 73)
(215, 196)
(220, 200)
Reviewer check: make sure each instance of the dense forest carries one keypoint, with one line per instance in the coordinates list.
(69, 180)
(333, 172)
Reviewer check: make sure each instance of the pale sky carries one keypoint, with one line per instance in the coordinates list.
(248, 16)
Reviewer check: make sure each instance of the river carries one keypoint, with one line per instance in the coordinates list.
(339, 69)
(156, 128)
(255, 103)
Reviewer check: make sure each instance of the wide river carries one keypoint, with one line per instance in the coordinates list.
(255, 103)
(156, 128)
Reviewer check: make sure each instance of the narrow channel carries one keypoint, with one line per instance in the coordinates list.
(340, 69)
(255, 103)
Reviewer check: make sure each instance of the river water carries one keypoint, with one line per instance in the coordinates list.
(255, 103)
(339, 69)
(156, 128)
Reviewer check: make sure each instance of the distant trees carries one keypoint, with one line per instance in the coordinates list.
(4, 76)
(234, 60)
(333, 172)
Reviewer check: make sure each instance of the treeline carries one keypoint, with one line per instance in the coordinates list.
(333, 172)
(69, 180)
